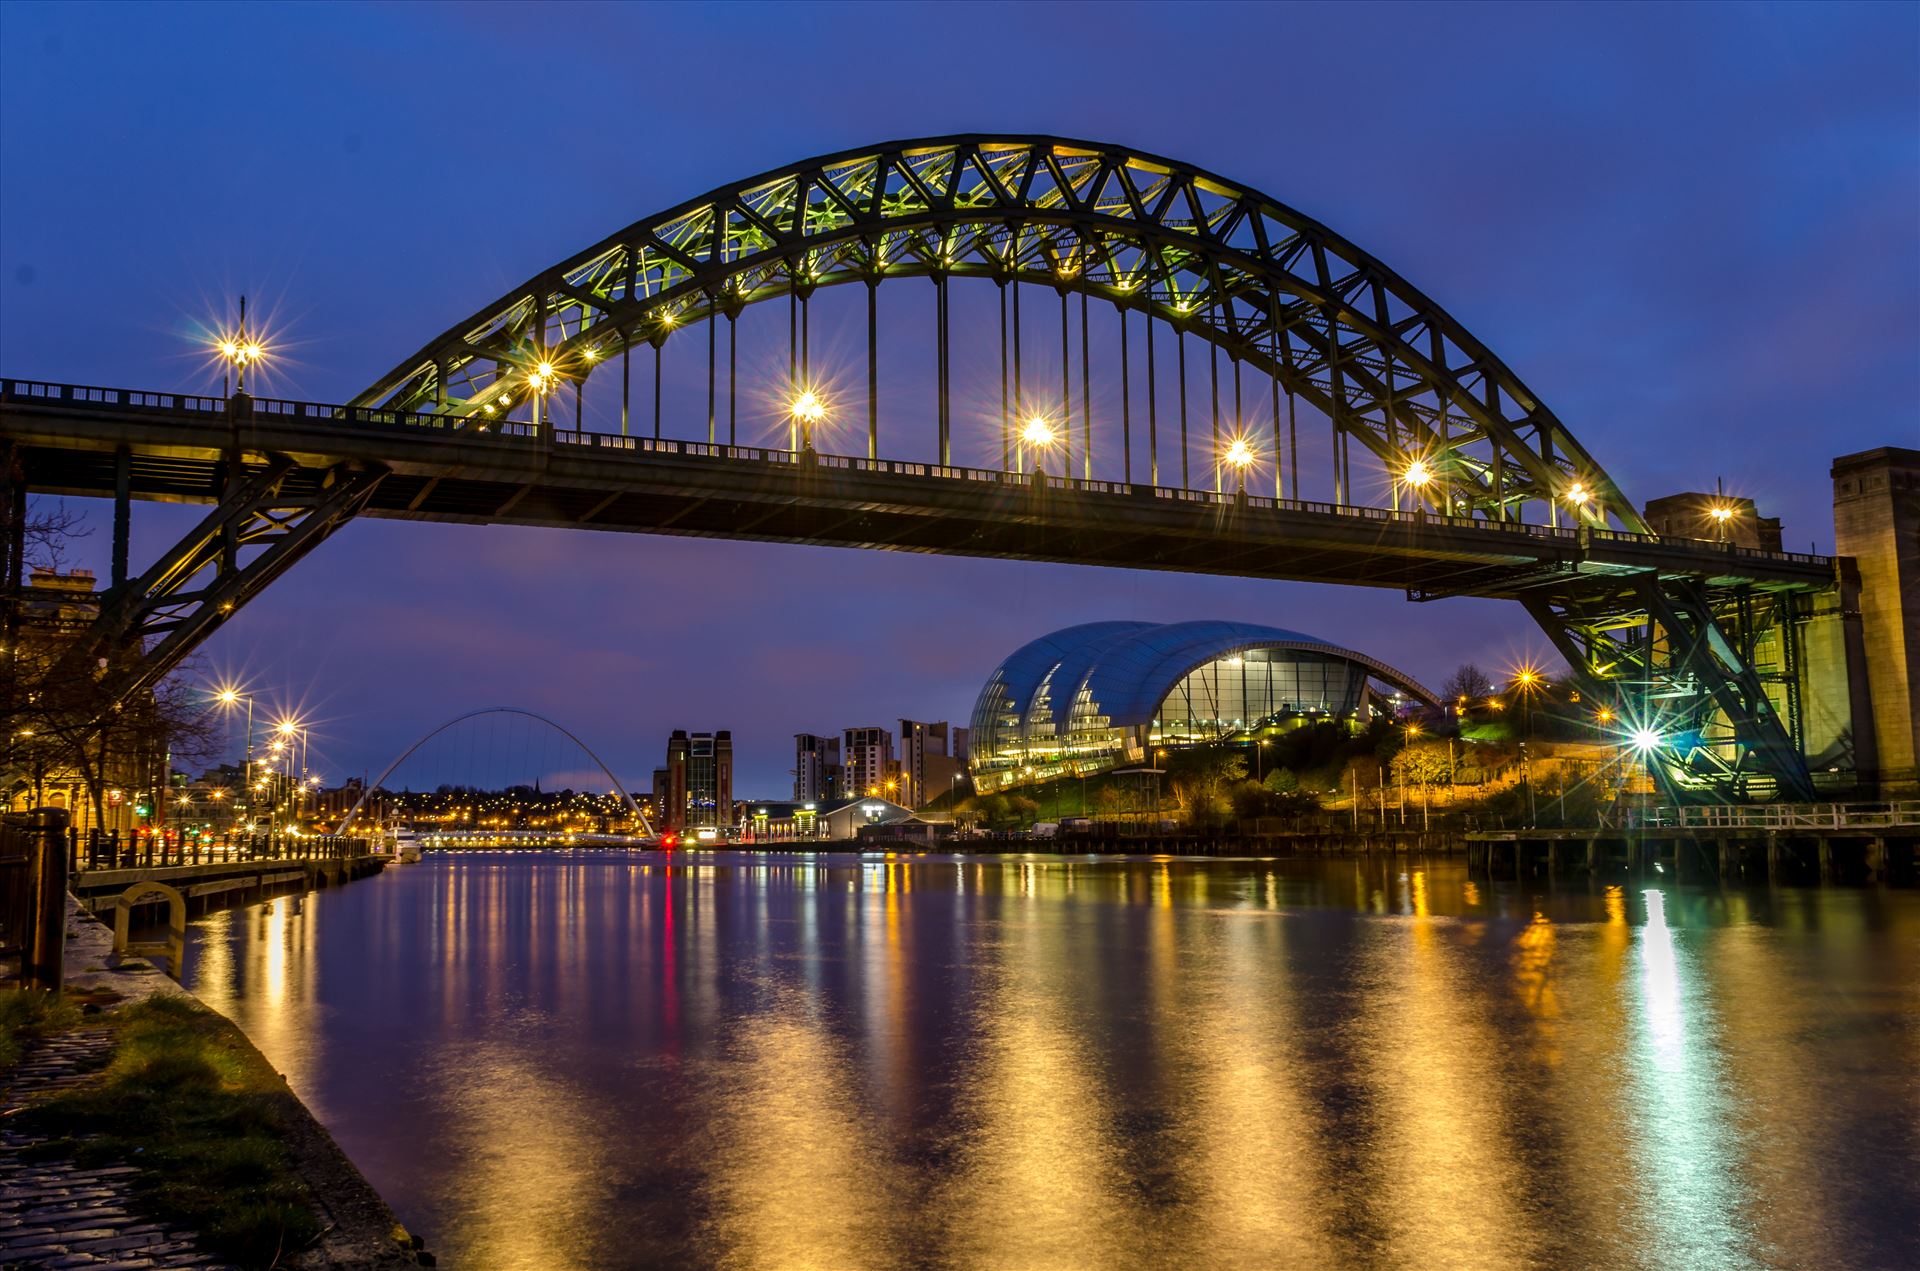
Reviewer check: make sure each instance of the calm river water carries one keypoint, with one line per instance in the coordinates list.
(613, 1060)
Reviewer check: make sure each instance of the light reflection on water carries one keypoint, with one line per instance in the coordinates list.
(840, 1062)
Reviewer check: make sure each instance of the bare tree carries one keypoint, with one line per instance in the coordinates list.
(59, 717)
(1467, 681)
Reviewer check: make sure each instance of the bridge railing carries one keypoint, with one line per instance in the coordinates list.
(207, 408)
(110, 849)
(1783, 816)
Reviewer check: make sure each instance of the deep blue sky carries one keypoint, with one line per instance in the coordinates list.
(1693, 230)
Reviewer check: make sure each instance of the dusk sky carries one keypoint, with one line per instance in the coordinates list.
(1693, 230)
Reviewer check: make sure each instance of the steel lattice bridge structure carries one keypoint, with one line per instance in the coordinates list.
(1445, 475)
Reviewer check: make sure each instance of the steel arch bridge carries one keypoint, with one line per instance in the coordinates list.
(368, 793)
(1462, 481)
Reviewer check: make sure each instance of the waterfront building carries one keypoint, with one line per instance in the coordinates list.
(928, 766)
(779, 820)
(843, 820)
(699, 780)
(817, 774)
(118, 778)
(867, 755)
(1106, 695)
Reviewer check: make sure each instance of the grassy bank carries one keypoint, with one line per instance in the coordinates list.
(27, 1014)
(190, 1103)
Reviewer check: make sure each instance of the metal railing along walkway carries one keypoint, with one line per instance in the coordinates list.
(1783, 816)
(97, 850)
(215, 410)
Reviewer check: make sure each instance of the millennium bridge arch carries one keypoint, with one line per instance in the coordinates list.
(1461, 483)
(632, 806)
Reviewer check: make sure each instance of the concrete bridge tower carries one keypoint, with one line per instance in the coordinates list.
(1876, 521)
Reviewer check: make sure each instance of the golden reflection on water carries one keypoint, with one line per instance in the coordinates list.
(1431, 1058)
(1248, 1143)
(1037, 1180)
(533, 1177)
(795, 1174)
(888, 1062)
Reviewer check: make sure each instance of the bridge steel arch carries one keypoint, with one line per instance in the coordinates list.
(1210, 257)
(403, 756)
(1674, 634)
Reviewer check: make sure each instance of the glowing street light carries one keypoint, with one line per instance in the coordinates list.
(1644, 739)
(542, 379)
(1039, 434)
(1579, 495)
(1418, 474)
(1721, 514)
(1240, 458)
(808, 410)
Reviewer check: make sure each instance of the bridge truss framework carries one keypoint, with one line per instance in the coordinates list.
(471, 428)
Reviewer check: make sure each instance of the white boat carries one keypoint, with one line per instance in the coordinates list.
(406, 847)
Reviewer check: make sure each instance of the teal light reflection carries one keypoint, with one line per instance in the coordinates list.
(1683, 1133)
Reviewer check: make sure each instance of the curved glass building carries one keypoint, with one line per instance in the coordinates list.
(1102, 695)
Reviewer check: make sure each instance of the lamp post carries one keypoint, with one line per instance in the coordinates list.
(1240, 458)
(293, 740)
(1417, 477)
(1579, 496)
(808, 410)
(1527, 679)
(541, 380)
(239, 352)
(1721, 515)
(1412, 731)
(229, 699)
(1037, 435)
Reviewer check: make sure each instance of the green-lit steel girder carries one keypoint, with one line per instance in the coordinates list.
(1213, 257)
(1658, 651)
(261, 526)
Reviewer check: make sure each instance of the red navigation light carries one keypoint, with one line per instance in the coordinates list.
(669, 840)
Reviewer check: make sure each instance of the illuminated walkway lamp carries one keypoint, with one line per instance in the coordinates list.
(1240, 458)
(808, 410)
(1417, 476)
(239, 352)
(1039, 436)
(541, 379)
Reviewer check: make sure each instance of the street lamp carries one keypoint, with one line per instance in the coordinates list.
(1418, 474)
(808, 410)
(1240, 458)
(229, 698)
(1038, 434)
(239, 352)
(542, 379)
(1526, 679)
(1722, 515)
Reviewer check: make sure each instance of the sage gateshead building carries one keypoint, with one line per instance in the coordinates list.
(1103, 695)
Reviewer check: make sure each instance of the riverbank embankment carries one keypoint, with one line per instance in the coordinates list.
(144, 1128)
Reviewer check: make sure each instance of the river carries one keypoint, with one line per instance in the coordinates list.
(604, 1060)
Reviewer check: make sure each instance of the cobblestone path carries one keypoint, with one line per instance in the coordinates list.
(56, 1214)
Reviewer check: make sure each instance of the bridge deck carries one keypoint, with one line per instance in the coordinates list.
(453, 469)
